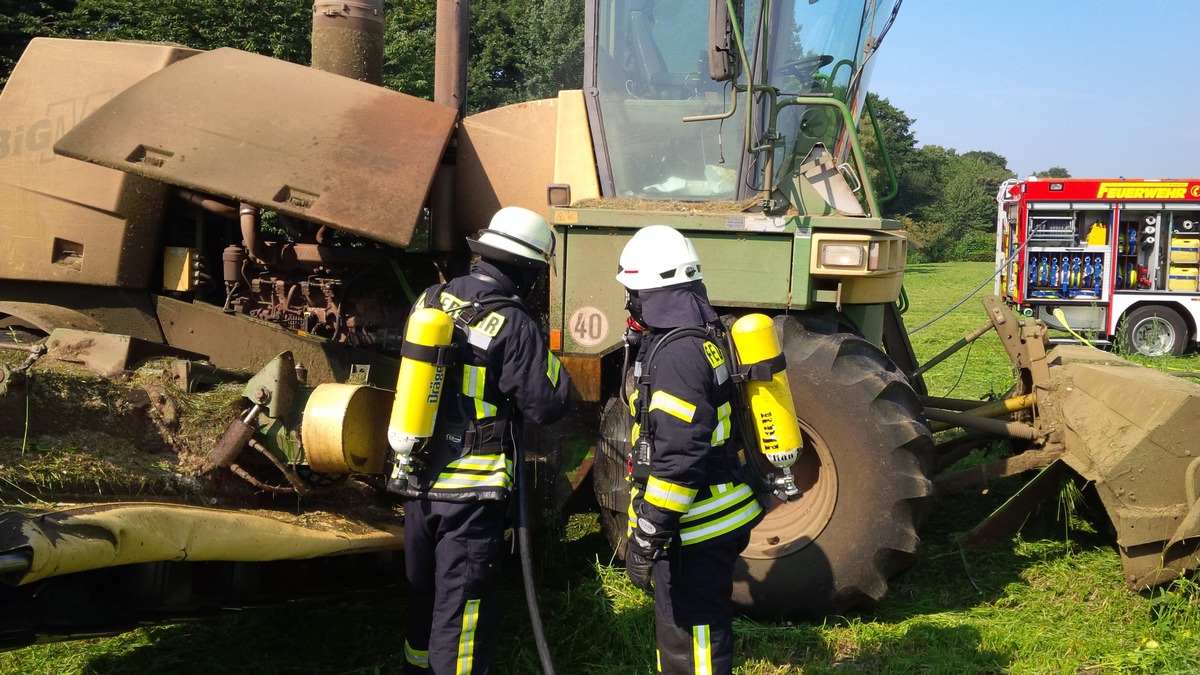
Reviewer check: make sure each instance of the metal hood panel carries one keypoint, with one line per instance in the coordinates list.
(307, 143)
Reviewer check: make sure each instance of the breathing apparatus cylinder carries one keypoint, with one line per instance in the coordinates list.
(769, 398)
(418, 388)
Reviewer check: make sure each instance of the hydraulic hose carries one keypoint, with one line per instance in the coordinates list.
(535, 613)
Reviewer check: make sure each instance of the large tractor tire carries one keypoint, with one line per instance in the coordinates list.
(609, 471)
(863, 473)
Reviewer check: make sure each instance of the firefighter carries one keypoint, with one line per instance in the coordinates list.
(456, 497)
(690, 513)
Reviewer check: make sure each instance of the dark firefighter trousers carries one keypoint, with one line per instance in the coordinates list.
(693, 606)
(453, 552)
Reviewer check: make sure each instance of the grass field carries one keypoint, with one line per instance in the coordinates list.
(1051, 600)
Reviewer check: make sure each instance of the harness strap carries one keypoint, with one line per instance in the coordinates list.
(479, 437)
(763, 371)
(440, 355)
(433, 296)
(742, 436)
(485, 438)
(639, 461)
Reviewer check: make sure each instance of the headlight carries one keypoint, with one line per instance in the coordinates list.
(841, 255)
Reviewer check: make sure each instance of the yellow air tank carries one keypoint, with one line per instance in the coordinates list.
(770, 401)
(418, 388)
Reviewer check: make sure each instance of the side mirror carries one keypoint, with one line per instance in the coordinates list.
(722, 52)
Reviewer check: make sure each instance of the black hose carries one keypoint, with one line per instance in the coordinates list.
(535, 613)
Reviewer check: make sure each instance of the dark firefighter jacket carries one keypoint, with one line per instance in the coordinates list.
(503, 366)
(694, 490)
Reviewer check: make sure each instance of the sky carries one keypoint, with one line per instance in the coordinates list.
(1102, 88)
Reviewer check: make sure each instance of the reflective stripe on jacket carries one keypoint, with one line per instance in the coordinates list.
(693, 490)
(503, 364)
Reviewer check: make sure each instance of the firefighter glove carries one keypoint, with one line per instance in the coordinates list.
(639, 562)
(647, 544)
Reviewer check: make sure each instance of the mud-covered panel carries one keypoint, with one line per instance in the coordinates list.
(506, 158)
(63, 220)
(239, 342)
(311, 144)
(1130, 430)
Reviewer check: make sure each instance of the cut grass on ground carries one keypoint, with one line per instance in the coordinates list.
(1050, 600)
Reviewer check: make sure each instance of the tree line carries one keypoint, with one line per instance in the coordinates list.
(946, 200)
(523, 50)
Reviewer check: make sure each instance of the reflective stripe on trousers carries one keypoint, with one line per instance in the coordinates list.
(693, 607)
(453, 552)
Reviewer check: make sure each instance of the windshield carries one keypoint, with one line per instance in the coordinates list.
(815, 49)
(649, 71)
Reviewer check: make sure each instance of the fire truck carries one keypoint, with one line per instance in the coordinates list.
(1112, 261)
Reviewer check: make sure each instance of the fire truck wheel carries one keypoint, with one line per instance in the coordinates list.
(1154, 330)
(864, 474)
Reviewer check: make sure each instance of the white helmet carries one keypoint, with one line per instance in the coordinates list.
(656, 257)
(516, 236)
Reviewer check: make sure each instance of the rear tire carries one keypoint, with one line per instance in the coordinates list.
(863, 472)
(609, 471)
(1155, 330)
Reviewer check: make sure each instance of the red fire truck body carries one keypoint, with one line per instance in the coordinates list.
(1114, 260)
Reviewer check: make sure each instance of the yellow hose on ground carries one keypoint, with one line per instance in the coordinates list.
(1062, 318)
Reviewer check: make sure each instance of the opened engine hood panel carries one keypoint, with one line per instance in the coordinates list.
(307, 143)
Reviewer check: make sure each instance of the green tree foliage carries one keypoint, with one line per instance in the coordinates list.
(967, 205)
(493, 72)
(915, 176)
(945, 200)
(1053, 172)
(522, 50)
(277, 28)
(899, 142)
(408, 47)
(959, 222)
(519, 49)
(552, 35)
(21, 21)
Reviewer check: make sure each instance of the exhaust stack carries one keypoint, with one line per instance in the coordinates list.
(449, 89)
(347, 38)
